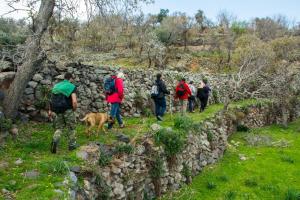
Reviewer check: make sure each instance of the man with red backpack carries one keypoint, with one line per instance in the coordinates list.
(182, 93)
(114, 91)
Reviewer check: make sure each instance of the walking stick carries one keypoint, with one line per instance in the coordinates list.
(171, 109)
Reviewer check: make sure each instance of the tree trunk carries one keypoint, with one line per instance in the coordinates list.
(33, 58)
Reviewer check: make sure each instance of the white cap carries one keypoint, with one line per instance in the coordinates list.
(121, 75)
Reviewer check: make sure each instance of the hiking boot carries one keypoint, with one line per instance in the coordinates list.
(122, 126)
(159, 118)
(53, 146)
(111, 123)
(73, 147)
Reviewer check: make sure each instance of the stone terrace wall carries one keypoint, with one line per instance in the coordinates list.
(129, 176)
(89, 81)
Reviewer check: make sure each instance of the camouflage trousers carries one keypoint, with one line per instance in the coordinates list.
(66, 120)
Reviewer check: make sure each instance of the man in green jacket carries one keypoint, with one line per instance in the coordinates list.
(63, 104)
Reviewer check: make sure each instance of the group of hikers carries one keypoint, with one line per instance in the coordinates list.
(185, 93)
(64, 102)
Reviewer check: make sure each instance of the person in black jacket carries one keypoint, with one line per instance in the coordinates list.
(203, 94)
(160, 99)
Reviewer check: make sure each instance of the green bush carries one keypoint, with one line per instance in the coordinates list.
(171, 141)
(5, 124)
(45, 95)
(186, 171)
(183, 122)
(287, 159)
(230, 195)
(210, 136)
(104, 159)
(211, 185)
(157, 169)
(58, 167)
(124, 148)
(250, 183)
(242, 128)
(215, 96)
(103, 189)
(292, 194)
(146, 112)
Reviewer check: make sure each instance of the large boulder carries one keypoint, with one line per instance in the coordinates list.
(6, 78)
(5, 66)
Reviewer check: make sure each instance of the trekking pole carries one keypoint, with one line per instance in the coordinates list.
(171, 109)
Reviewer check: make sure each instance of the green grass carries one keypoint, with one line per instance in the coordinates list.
(33, 147)
(270, 172)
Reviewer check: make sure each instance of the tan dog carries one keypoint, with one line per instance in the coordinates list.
(93, 119)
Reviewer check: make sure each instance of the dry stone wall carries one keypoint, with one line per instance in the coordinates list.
(91, 98)
(130, 176)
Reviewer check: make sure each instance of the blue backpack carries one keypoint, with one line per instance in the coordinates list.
(110, 86)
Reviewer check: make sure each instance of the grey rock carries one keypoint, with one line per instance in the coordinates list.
(6, 76)
(73, 178)
(123, 138)
(46, 82)
(82, 154)
(32, 84)
(29, 91)
(37, 77)
(60, 77)
(33, 174)
(5, 65)
(75, 169)
(58, 191)
(19, 161)
(155, 127)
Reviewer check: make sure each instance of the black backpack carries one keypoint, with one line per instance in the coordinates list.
(110, 86)
(60, 103)
(181, 90)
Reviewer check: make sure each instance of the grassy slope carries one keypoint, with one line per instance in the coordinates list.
(33, 144)
(268, 173)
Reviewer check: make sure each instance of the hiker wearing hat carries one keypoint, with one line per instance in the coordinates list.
(114, 90)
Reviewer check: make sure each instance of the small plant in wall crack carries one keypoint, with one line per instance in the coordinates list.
(156, 172)
(103, 189)
(172, 143)
(187, 172)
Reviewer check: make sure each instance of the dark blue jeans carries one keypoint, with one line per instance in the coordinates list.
(160, 106)
(115, 114)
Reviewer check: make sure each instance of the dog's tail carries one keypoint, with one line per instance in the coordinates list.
(85, 118)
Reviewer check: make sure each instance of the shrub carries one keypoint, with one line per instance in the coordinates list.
(171, 141)
(5, 124)
(224, 178)
(287, 159)
(211, 185)
(186, 171)
(104, 159)
(230, 195)
(250, 183)
(103, 189)
(292, 194)
(58, 167)
(242, 128)
(210, 136)
(124, 148)
(44, 97)
(183, 122)
(146, 112)
(157, 169)
(215, 96)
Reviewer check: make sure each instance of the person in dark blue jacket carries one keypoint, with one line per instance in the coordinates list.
(203, 94)
(160, 99)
